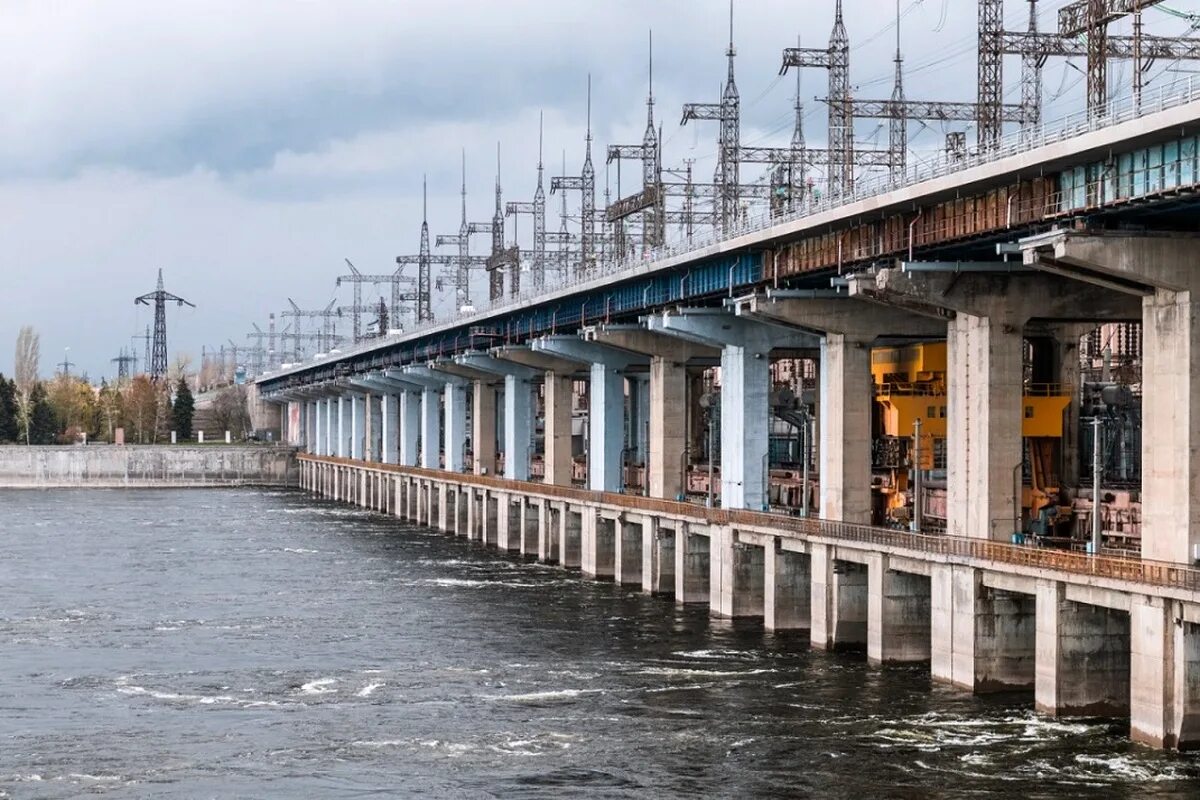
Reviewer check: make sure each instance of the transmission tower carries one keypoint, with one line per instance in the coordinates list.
(327, 315)
(585, 184)
(66, 364)
(160, 297)
(126, 364)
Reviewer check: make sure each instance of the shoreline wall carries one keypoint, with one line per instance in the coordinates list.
(120, 466)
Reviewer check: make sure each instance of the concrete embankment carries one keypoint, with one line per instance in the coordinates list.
(134, 465)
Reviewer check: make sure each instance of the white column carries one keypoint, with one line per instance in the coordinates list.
(606, 413)
(390, 423)
(431, 429)
(518, 427)
(745, 385)
(455, 405)
(343, 426)
(410, 426)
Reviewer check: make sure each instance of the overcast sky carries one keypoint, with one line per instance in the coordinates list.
(246, 148)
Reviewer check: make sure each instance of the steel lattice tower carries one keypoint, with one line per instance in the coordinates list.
(160, 297)
(991, 57)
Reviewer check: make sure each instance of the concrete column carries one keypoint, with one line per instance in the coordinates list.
(558, 461)
(628, 560)
(838, 603)
(1171, 426)
(983, 639)
(898, 614)
(736, 579)
(455, 445)
(518, 427)
(658, 557)
(530, 527)
(570, 538)
(692, 566)
(390, 426)
(375, 427)
(548, 539)
(431, 429)
(331, 433)
(358, 424)
(668, 428)
(319, 422)
(787, 589)
(343, 426)
(845, 425)
(410, 427)
(1083, 656)
(639, 417)
(745, 388)
(1164, 675)
(606, 441)
(984, 419)
(598, 541)
(483, 423)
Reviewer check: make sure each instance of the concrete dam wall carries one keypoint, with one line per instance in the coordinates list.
(135, 465)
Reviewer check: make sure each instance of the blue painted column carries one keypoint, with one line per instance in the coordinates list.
(431, 428)
(410, 427)
(745, 409)
(518, 427)
(357, 425)
(606, 428)
(318, 443)
(455, 407)
(390, 425)
(343, 426)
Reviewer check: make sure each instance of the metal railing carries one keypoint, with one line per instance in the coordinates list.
(1134, 570)
(1124, 109)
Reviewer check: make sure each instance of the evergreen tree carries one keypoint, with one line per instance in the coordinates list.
(183, 410)
(43, 427)
(9, 430)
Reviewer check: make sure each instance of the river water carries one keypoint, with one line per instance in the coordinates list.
(242, 643)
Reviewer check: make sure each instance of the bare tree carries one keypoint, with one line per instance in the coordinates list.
(25, 373)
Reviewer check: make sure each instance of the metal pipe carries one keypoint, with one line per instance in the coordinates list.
(1096, 464)
(918, 510)
(911, 226)
(804, 455)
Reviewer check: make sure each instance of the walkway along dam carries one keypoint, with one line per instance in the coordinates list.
(869, 418)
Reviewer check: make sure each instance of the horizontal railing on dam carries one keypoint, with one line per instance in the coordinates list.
(1134, 570)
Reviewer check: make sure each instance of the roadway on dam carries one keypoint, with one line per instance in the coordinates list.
(241, 642)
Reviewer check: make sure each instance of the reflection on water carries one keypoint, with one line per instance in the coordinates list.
(241, 643)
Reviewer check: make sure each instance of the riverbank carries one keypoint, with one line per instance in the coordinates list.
(121, 466)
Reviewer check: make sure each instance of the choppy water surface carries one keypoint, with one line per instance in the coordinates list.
(245, 644)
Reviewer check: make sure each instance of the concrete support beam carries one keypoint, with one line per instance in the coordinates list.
(736, 583)
(606, 406)
(658, 557)
(557, 459)
(745, 389)
(431, 428)
(692, 566)
(1164, 675)
(787, 589)
(983, 639)
(343, 426)
(389, 413)
(629, 556)
(1083, 656)
(454, 405)
(898, 614)
(483, 427)
(598, 543)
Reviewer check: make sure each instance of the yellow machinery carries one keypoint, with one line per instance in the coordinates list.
(910, 384)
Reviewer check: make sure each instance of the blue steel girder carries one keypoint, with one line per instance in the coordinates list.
(624, 299)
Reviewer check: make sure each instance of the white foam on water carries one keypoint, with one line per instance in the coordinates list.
(367, 690)
(552, 695)
(319, 686)
(704, 673)
(300, 550)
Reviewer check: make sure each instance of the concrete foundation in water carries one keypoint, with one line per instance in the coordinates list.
(1080, 641)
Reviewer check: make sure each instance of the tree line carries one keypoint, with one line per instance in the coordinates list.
(68, 409)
